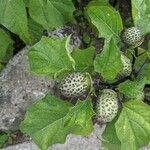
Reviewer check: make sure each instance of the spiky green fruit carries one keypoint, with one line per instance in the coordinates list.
(127, 66)
(132, 37)
(75, 85)
(107, 106)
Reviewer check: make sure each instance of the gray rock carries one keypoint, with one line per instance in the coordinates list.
(18, 89)
(73, 142)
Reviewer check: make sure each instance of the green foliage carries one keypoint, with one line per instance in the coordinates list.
(3, 139)
(107, 21)
(84, 59)
(35, 30)
(50, 120)
(145, 72)
(13, 17)
(141, 14)
(108, 62)
(142, 64)
(131, 89)
(50, 57)
(98, 3)
(47, 14)
(6, 47)
(1, 66)
(51, 13)
(140, 60)
(133, 125)
(131, 130)
(109, 136)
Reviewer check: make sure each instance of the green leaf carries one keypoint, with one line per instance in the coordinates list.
(140, 60)
(79, 118)
(107, 20)
(35, 30)
(50, 120)
(26, 2)
(108, 62)
(1, 67)
(50, 57)
(51, 13)
(6, 46)
(98, 3)
(109, 136)
(3, 139)
(84, 130)
(145, 72)
(132, 88)
(44, 123)
(140, 12)
(84, 59)
(142, 64)
(13, 16)
(133, 125)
